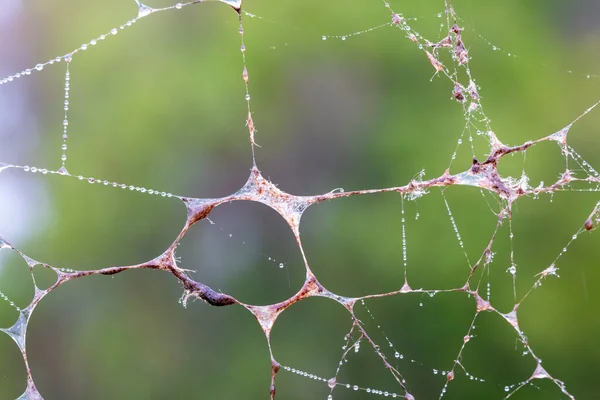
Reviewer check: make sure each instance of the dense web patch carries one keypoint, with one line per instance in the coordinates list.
(448, 57)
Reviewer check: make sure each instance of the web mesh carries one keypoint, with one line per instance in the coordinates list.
(426, 286)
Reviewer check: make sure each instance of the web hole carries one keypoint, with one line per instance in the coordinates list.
(16, 287)
(248, 251)
(12, 369)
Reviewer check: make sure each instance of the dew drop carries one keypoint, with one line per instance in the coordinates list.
(39, 67)
(281, 265)
(144, 10)
(236, 4)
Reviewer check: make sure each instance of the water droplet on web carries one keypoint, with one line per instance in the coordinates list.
(143, 9)
(68, 58)
(245, 75)
(281, 265)
(331, 383)
(355, 387)
(343, 37)
(324, 37)
(330, 397)
(179, 6)
(39, 67)
(236, 4)
(114, 31)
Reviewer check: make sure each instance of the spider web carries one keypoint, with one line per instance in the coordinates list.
(425, 285)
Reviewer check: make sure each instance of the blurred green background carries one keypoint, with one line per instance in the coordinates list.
(161, 105)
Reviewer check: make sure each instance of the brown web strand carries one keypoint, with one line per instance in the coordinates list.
(482, 174)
